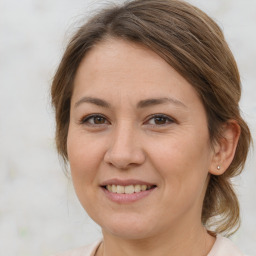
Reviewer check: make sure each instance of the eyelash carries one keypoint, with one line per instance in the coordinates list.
(85, 120)
(168, 119)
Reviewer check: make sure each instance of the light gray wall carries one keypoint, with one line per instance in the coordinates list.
(39, 212)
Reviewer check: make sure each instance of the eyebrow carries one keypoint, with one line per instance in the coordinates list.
(158, 101)
(95, 101)
(141, 104)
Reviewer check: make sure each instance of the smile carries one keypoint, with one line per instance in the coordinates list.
(125, 192)
(130, 189)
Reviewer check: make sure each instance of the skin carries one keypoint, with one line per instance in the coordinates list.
(127, 142)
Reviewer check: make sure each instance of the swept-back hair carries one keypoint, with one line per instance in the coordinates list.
(194, 45)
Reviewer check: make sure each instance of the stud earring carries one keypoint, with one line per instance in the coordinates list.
(218, 167)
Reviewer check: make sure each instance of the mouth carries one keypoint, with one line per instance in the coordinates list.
(129, 189)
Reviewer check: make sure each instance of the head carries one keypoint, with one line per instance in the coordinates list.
(192, 45)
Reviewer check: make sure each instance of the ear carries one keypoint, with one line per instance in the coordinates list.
(225, 147)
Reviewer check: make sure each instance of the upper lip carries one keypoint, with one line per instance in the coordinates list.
(125, 182)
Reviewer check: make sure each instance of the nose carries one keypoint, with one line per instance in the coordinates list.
(125, 149)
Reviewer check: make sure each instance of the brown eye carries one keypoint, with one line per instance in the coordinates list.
(94, 120)
(159, 120)
(99, 120)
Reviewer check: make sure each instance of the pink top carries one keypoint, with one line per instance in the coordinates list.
(222, 247)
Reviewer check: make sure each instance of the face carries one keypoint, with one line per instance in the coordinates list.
(138, 143)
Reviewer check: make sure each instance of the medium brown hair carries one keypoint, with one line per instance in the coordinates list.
(194, 45)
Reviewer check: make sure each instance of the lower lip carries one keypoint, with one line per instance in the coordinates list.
(127, 198)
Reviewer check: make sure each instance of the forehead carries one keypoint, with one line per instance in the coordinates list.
(123, 68)
(115, 56)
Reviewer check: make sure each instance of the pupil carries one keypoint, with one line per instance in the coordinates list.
(160, 120)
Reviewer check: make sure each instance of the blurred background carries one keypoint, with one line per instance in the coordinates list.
(39, 212)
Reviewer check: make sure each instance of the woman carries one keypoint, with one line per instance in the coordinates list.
(146, 99)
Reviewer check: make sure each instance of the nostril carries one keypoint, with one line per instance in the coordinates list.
(124, 157)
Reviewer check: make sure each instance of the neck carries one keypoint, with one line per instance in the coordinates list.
(191, 241)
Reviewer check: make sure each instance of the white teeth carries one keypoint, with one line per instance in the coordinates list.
(130, 189)
(137, 188)
(109, 188)
(113, 188)
(144, 187)
(119, 189)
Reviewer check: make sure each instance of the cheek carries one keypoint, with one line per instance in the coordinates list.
(183, 163)
(177, 152)
(84, 156)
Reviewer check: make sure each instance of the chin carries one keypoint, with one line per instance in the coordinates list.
(128, 228)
